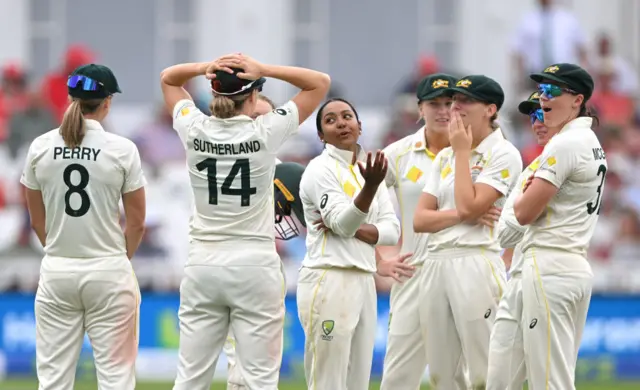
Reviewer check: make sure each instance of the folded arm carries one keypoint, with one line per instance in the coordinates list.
(428, 219)
(475, 199)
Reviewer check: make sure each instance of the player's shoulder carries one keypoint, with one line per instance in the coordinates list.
(183, 108)
(44, 141)
(289, 110)
(445, 154)
(504, 146)
(400, 146)
(119, 142)
(317, 163)
(48, 136)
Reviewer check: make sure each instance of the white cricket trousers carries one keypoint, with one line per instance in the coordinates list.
(556, 292)
(337, 308)
(238, 286)
(235, 380)
(406, 357)
(459, 295)
(507, 370)
(99, 296)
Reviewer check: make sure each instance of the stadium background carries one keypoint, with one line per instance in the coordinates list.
(375, 51)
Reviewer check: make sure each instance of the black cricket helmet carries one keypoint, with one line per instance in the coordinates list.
(288, 205)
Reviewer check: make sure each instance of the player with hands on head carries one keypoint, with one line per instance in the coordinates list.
(559, 207)
(235, 381)
(233, 276)
(506, 349)
(463, 275)
(75, 177)
(336, 293)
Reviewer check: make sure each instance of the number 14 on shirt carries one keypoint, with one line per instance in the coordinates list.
(242, 167)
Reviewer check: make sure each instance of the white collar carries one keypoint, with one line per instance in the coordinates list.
(487, 143)
(93, 124)
(346, 156)
(580, 122)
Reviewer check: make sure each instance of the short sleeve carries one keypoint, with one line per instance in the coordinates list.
(557, 162)
(185, 113)
(28, 178)
(432, 182)
(503, 169)
(133, 176)
(279, 125)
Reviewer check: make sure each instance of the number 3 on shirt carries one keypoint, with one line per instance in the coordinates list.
(240, 166)
(595, 207)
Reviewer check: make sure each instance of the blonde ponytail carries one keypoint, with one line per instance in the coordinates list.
(225, 107)
(73, 128)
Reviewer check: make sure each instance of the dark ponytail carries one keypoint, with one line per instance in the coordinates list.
(589, 112)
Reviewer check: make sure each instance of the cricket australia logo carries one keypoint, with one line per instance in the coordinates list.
(327, 328)
(439, 83)
(463, 83)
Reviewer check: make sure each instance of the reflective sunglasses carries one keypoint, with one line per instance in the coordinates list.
(84, 82)
(551, 91)
(536, 115)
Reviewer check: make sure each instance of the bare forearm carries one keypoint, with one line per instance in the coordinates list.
(178, 75)
(464, 193)
(365, 197)
(367, 233)
(433, 221)
(133, 237)
(305, 79)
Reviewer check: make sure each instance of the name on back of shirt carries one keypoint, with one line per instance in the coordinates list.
(222, 149)
(598, 154)
(79, 153)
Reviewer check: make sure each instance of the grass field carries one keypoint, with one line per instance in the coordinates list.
(33, 385)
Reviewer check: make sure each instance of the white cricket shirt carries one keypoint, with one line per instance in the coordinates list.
(81, 189)
(329, 185)
(409, 163)
(494, 162)
(510, 232)
(231, 165)
(575, 163)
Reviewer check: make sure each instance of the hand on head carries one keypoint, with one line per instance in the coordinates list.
(253, 69)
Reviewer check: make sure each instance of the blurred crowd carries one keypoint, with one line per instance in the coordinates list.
(28, 109)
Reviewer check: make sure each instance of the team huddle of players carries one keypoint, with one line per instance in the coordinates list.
(468, 214)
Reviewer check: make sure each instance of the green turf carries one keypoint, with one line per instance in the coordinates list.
(33, 385)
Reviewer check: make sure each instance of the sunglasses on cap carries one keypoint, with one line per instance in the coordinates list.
(536, 115)
(551, 91)
(84, 82)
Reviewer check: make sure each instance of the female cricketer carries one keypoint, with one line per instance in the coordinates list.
(233, 275)
(463, 275)
(409, 159)
(349, 214)
(506, 349)
(235, 381)
(75, 177)
(559, 206)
